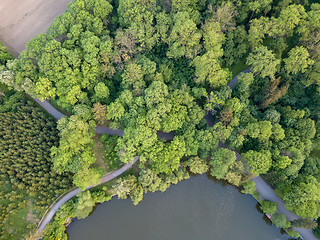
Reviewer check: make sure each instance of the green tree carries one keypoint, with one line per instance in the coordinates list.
(84, 205)
(208, 70)
(4, 54)
(124, 186)
(149, 180)
(71, 155)
(88, 177)
(280, 220)
(225, 14)
(257, 162)
(221, 161)
(44, 89)
(115, 111)
(298, 60)
(184, 37)
(136, 194)
(304, 223)
(269, 207)
(139, 18)
(309, 29)
(197, 165)
(303, 196)
(155, 93)
(101, 92)
(263, 62)
(278, 132)
(249, 187)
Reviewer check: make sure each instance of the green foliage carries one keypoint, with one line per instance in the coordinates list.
(221, 161)
(4, 54)
(184, 37)
(302, 196)
(257, 162)
(235, 46)
(71, 156)
(87, 177)
(304, 223)
(208, 70)
(149, 180)
(197, 165)
(158, 66)
(269, 207)
(263, 62)
(26, 136)
(298, 60)
(101, 92)
(124, 186)
(84, 205)
(249, 187)
(280, 220)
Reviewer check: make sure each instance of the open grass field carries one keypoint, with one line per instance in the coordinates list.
(20, 20)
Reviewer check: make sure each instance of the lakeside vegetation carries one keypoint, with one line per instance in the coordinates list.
(28, 184)
(162, 66)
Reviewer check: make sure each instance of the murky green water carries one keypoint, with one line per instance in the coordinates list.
(195, 209)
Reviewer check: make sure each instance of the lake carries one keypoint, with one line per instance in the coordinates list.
(197, 208)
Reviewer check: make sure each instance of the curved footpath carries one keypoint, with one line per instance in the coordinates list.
(65, 197)
(262, 187)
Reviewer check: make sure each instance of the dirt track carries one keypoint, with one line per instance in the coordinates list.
(21, 20)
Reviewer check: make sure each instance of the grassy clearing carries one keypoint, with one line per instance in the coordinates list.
(239, 67)
(104, 150)
(4, 89)
(59, 108)
(99, 151)
(17, 224)
(111, 158)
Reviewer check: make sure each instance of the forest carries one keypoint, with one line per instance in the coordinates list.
(150, 67)
(28, 183)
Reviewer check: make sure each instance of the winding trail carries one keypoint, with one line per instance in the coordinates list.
(261, 186)
(73, 192)
(33, 17)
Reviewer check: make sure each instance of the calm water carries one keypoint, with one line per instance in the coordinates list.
(195, 209)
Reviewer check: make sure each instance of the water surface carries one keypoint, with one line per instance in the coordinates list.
(195, 209)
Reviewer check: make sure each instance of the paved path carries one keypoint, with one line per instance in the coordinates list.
(49, 108)
(99, 129)
(234, 80)
(66, 197)
(262, 187)
(18, 28)
(268, 193)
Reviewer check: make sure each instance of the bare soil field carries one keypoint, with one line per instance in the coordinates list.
(21, 20)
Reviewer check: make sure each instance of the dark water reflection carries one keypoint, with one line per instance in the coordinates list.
(195, 209)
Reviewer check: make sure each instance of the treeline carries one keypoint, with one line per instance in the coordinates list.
(28, 184)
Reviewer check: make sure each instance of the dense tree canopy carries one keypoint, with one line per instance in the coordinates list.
(153, 67)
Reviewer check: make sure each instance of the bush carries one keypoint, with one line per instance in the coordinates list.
(280, 220)
(269, 207)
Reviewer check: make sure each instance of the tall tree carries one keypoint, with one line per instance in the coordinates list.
(257, 162)
(298, 60)
(263, 62)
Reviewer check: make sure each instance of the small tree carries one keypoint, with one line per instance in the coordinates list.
(263, 62)
(84, 205)
(197, 165)
(304, 223)
(298, 60)
(280, 220)
(249, 187)
(269, 207)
